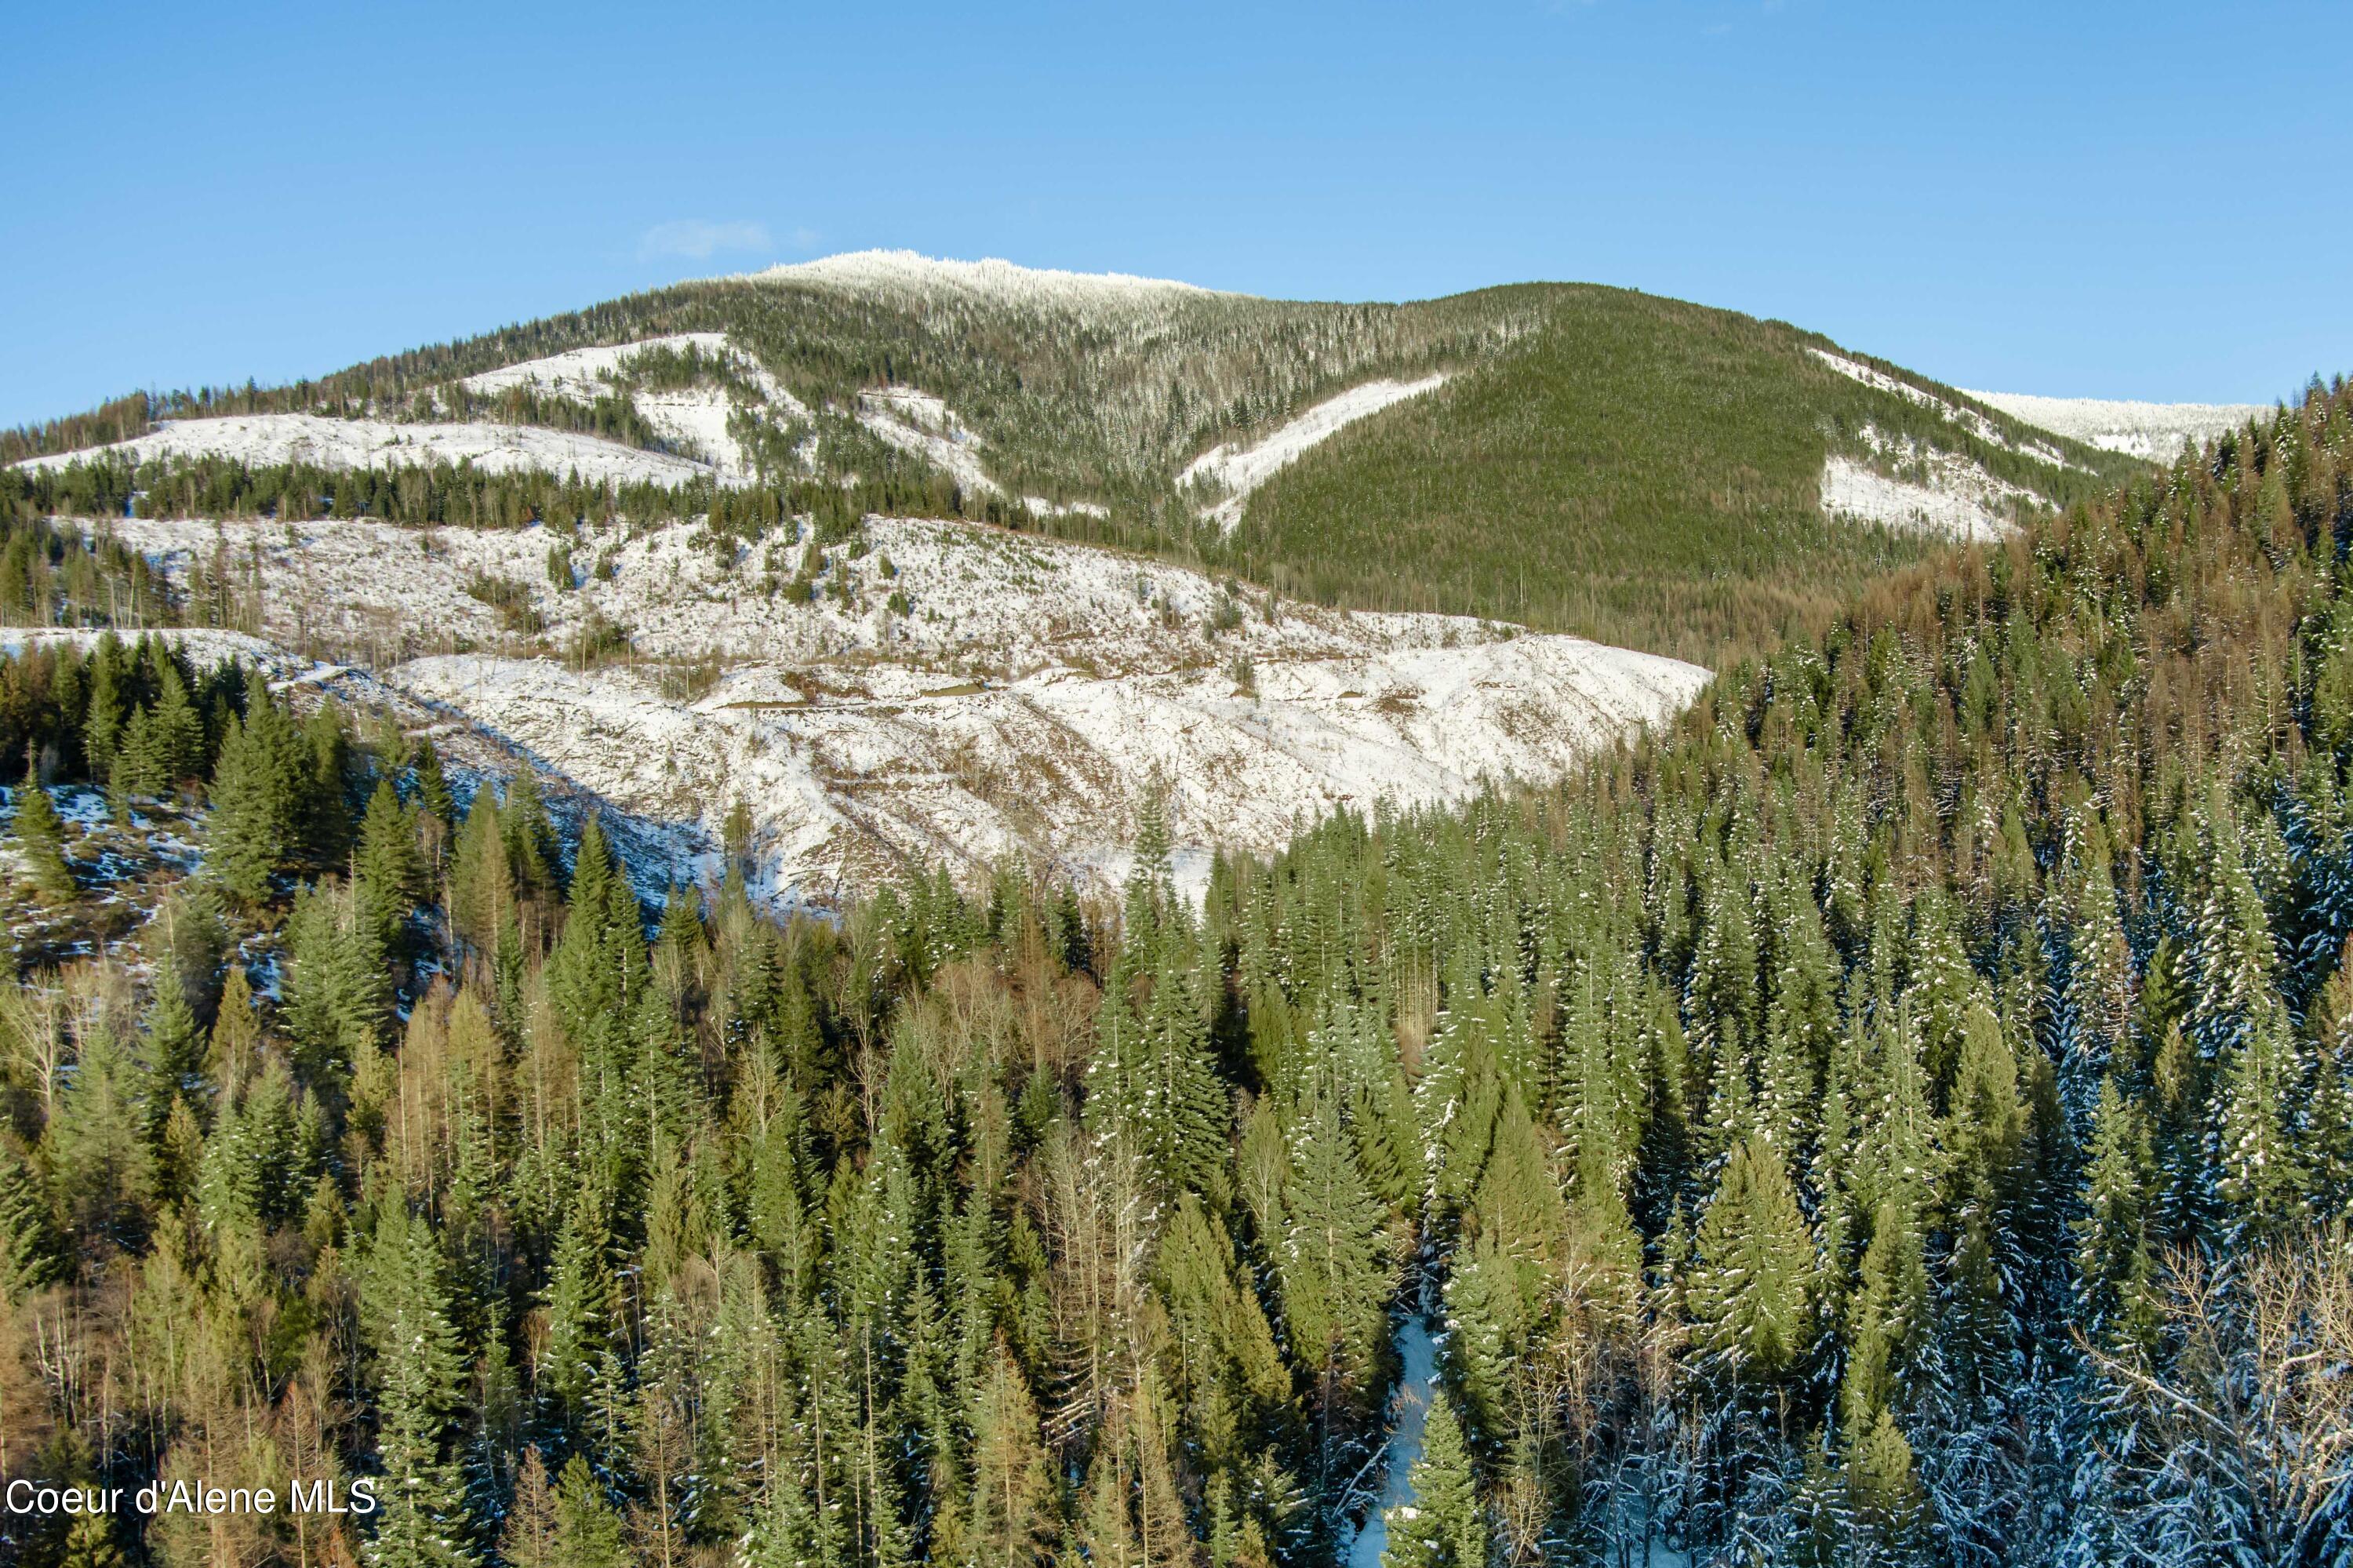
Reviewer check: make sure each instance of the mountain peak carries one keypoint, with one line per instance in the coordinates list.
(909, 272)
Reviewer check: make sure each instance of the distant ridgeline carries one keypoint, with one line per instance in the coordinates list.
(1901, 1115)
(1595, 460)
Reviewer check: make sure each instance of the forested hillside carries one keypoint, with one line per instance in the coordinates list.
(1900, 1116)
(1638, 470)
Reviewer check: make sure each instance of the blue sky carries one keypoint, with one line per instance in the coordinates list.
(2113, 200)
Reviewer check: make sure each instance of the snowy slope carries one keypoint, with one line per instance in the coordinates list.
(695, 417)
(1023, 697)
(2152, 431)
(1236, 471)
(263, 440)
(1918, 488)
(915, 422)
(1968, 419)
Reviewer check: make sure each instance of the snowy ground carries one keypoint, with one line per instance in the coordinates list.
(695, 417)
(1408, 1412)
(1235, 471)
(1923, 489)
(264, 439)
(917, 422)
(2152, 431)
(1020, 697)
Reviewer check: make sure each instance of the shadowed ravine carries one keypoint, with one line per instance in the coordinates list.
(1408, 1408)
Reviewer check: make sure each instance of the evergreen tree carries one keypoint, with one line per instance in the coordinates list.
(1748, 1285)
(40, 835)
(1012, 1483)
(422, 1522)
(257, 794)
(588, 1533)
(1444, 1526)
(32, 1254)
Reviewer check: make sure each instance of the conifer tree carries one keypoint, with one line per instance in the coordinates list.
(257, 796)
(1886, 1491)
(32, 1254)
(389, 868)
(1335, 1261)
(2259, 1179)
(588, 1532)
(1748, 1286)
(579, 1304)
(2111, 1239)
(433, 786)
(1012, 1483)
(1445, 1525)
(481, 877)
(40, 836)
(423, 1522)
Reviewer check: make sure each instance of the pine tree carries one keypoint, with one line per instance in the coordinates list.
(579, 1305)
(389, 868)
(433, 785)
(90, 1543)
(2113, 1264)
(1012, 1489)
(482, 878)
(2259, 1179)
(1748, 1286)
(423, 1522)
(588, 1532)
(32, 1254)
(40, 836)
(1886, 1491)
(257, 796)
(1334, 1261)
(1444, 1526)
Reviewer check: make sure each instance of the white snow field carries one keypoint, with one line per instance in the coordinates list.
(694, 417)
(2151, 431)
(263, 440)
(1235, 471)
(1928, 491)
(1020, 698)
(904, 273)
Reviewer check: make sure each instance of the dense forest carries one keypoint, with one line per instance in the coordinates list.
(1905, 1115)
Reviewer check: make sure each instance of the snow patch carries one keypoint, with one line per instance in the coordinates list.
(1238, 471)
(1968, 419)
(1957, 499)
(2151, 431)
(262, 440)
(693, 416)
(916, 421)
(953, 694)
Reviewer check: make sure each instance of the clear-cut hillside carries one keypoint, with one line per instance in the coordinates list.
(944, 691)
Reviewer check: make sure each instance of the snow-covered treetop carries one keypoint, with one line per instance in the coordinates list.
(890, 272)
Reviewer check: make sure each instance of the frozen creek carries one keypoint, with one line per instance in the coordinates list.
(1409, 1409)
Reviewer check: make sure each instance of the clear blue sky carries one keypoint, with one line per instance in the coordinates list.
(2140, 201)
